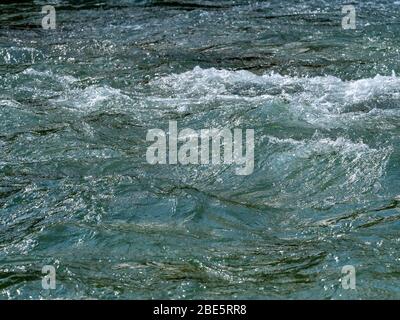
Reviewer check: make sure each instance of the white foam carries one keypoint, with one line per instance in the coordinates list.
(92, 98)
(328, 90)
(323, 101)
(66, 79)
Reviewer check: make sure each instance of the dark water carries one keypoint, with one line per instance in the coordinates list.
(76, 191)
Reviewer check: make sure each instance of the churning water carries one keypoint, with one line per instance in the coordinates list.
(77, 193)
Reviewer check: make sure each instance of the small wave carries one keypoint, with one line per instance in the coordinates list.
(299, 167)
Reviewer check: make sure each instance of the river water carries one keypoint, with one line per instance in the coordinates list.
(77, 193)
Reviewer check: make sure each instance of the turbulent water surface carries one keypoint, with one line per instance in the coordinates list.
(77, 193)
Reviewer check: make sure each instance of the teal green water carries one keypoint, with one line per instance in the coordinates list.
(77, 193)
